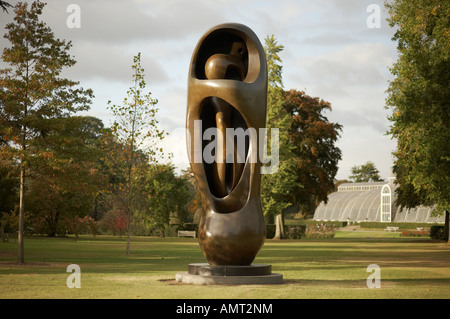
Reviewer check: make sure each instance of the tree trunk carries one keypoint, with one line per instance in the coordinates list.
(279, 227)
(129, 234)
(447, 227)
(20, 254)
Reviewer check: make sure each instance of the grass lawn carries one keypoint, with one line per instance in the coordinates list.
(322, 268)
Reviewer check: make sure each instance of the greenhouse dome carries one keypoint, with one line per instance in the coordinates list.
(370, 202)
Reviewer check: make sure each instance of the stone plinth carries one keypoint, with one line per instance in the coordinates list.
(205, 274)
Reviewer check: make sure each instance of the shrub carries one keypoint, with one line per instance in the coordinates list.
(320, 231)
(295, 232)
(311, 222)
(290, 232)
(270, 231)
(415, 233)
(437, 232)
(74, 225)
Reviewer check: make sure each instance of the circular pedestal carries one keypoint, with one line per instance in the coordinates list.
(205, 274)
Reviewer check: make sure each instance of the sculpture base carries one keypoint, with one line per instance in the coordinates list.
(205, 274)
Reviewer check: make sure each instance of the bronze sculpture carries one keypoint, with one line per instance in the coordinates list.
(227, 89)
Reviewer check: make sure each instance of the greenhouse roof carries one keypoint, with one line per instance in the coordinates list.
(363, 202)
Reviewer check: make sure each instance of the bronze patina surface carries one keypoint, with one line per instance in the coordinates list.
(227, 88)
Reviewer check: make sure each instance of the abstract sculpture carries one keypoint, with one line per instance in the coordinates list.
(227, 93)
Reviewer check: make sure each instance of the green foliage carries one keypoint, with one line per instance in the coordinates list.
(136, 125)
(8, 187)
(311, 222)
(290, 232)
(320, 231)
(66, 181)
(438, 232)
(167, 196)
(33, 95)
(419, 97)
(277, 188)
(307, 155)
(365, 173)
(132, 146)
(393, 224)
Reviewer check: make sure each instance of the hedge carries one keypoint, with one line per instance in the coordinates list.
(338, 224)
(438, 232)
(290, 231)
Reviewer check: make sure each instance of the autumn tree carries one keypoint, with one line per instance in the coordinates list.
(32, 93)
(308, 155)
(137, 133)
(419, 98)
(65, 184)
(365, 173)
(315, 150)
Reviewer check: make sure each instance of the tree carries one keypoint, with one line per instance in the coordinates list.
(307, 151)
(65, 183)
(5, 5)
(137, 134)
(277, 188)
(32, 93)
(365, 173)
(419, 97)
(8, 187)
(166, 194)
(195, 198)
(315, 151)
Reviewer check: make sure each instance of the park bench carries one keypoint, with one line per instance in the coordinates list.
(186, 233)
(391, 228)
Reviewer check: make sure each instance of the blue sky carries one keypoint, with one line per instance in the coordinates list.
(330, 52)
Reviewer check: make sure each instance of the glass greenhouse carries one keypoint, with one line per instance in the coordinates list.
(370, 202)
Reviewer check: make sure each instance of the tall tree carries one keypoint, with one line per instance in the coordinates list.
(365, 173)
(307, 153)
(315, 151)
(277, 188)
(5, 5)
(32, 93)
(8, 187)
(65, 183)
(136, 128)
(419, 97)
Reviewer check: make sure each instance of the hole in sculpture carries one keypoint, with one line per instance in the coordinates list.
(223, 165)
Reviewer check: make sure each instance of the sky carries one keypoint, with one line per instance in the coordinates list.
(333, 49)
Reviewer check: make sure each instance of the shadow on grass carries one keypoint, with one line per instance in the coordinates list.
(362, 283)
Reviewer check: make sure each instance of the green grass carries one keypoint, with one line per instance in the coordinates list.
(322, 268)
(369, 233)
